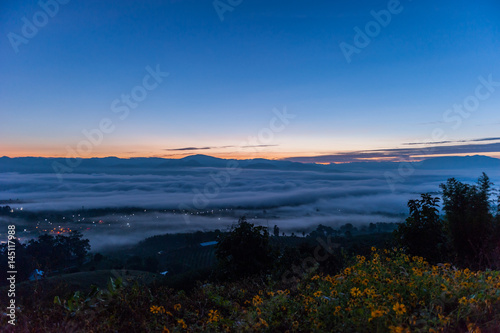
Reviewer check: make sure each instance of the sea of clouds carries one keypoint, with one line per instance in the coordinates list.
(293, 199)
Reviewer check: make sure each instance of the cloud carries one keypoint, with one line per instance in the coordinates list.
(258, 146)
(292, 199)
(218, 147)
(456, 141)
(400, 154)
(190, 148)
(363, 190)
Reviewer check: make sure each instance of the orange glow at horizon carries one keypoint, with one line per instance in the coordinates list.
(230, 152)
(226, 155)
(239, 156)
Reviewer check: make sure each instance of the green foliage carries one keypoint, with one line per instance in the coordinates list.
(78, 302)
(387, 291)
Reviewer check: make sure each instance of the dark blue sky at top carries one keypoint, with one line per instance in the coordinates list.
(227, 76)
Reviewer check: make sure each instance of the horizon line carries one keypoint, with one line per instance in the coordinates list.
(295, 159)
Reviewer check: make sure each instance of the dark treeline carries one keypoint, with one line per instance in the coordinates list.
(468, 232)
(47, 253)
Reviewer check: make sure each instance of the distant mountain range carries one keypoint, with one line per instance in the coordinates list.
(155, 165)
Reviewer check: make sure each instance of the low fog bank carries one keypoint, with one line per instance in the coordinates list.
(362, 190)
(292, 199)
(127, 229)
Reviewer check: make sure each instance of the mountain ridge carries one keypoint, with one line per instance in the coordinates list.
(46, 164)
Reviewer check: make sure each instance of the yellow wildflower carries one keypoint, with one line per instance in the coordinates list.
(213, 316)
(257, 300)
(355, 292)
(376, 314)
(182, 323)
(399, 308)
(398, 329)
(473, 328)
(157, 309)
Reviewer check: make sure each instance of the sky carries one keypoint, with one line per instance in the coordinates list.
(249, 79)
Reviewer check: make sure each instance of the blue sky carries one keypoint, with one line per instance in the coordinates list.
(226, 77)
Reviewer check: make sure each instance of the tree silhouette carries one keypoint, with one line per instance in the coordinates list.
(244, 251)
(49, 252)
(422, 234)
(276, 231)
(469, 220)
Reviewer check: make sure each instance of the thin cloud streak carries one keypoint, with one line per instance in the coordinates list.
(217, 147)
(398, 154)
(190, 148)
(451, 141)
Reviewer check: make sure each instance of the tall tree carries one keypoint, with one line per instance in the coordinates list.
(422, 234)
(469, 220)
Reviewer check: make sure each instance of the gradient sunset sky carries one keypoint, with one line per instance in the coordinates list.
(229, 78)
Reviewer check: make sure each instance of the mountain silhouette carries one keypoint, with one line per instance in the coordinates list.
(156, 165)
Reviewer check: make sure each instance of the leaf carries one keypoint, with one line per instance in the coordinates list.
(111, 286)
